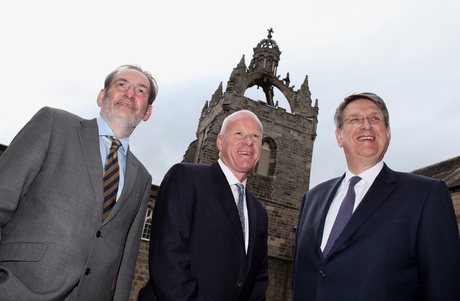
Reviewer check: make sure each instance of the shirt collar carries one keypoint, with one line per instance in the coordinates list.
(368, 175)
(105, 130)
(232, 180)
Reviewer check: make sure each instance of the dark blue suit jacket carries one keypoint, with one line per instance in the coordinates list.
(196, 247)
(401, 243)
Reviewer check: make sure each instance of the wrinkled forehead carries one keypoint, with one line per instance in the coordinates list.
(132, 76)
(245, 122)
(362, 106)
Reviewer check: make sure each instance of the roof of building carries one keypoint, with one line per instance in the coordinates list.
(448, 171)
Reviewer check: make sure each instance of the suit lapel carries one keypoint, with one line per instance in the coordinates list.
(324, 202)
(225, 195)
(383, 186)
(253, 221)
(89, 141)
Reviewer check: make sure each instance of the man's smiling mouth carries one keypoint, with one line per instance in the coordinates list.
(245, 153)
(366, 138)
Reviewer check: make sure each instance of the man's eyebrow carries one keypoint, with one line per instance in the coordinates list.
(127, 81)
(120, 79)
(142, 85)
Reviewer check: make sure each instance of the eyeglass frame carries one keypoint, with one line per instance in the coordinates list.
(359, 121)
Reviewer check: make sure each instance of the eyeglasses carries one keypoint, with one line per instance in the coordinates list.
(358, 121)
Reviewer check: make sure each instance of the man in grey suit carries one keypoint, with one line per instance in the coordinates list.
(200, 247)
(55, 243)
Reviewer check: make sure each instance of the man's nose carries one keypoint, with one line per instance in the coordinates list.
(366, 123)
(130, 92)
(248, 140)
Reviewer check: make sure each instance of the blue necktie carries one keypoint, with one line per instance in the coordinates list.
(344, 214)
(111, 177)
(240, 205)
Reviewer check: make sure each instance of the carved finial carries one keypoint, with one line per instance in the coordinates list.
(270, 31)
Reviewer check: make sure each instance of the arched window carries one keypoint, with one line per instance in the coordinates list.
(264, 161)
(267, 162)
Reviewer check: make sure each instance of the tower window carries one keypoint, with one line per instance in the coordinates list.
(264, 161)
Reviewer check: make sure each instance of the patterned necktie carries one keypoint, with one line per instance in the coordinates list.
(345, 212)
(111, 177)
(240, 205)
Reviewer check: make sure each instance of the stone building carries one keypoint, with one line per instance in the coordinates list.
(283, 172)
(449, 172)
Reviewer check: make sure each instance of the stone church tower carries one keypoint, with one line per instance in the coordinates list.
(283, 172)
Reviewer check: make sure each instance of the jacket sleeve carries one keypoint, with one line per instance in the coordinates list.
(19, 165)
(21, 162)
(438, 246)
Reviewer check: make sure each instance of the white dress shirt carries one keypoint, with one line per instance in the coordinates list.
(361, 188)
(232, 180)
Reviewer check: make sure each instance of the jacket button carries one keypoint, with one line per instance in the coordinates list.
(98, 234)
(322, 273)
(88, 271)
(239, 283)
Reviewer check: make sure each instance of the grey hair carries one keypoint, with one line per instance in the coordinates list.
(338, 116)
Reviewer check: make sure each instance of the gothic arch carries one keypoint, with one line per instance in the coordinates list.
(268, 158)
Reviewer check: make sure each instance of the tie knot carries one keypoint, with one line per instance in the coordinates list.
(115, 142)
(240, 188)
(354, 180)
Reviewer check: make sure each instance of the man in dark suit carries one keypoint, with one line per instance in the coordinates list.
(55, 241)
(401, 242)
(200, 249)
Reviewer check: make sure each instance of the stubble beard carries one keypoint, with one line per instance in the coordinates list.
(126, 122)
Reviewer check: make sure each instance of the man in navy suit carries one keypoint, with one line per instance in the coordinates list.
(401, 242)
(199, 247)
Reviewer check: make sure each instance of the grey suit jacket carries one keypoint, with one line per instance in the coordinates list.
(53, 243)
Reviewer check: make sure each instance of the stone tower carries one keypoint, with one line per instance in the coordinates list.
(283, 172)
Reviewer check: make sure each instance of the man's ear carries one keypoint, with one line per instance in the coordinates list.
(100, 97)
(219, 142)
(338, 136)
(148, 113)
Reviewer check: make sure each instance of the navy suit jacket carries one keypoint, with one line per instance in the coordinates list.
(401, 243)
(197, 249)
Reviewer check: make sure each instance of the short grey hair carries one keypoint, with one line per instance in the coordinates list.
(338, 116)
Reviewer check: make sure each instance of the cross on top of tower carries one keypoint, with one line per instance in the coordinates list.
(270, 31)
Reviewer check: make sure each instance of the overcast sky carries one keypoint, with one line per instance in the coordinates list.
(56, 53)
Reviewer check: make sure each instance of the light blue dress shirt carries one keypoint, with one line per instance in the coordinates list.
(104, 146)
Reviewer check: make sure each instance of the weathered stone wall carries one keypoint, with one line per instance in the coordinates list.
(280, 279)
(141, 273)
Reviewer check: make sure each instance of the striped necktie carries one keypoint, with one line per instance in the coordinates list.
(111, 177)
